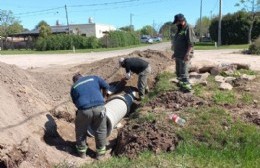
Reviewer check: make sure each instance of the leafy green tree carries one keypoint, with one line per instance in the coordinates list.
(16, 27)
(148, 30)
(167, 30)
(44, 31)
(9, 24)
(41, 23)
(250, 6)
(202, 28)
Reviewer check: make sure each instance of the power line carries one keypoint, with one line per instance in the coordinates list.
(120, 7)
(72, 6)
(106, 3)
(24, 13)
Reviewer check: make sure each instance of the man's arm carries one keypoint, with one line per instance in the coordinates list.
(128, 71)
(73, 95)
(191, 40)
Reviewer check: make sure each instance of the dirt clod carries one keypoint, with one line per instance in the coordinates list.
(153, 136)
(176, 100)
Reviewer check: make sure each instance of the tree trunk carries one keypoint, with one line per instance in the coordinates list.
(250, 28)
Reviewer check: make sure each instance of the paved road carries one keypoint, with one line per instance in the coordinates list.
(47, 60)
(50, 60)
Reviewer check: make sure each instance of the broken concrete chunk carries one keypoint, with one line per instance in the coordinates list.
(219, 79)
(248, 77)
(174, 80)
(225, 86)
(229, 79)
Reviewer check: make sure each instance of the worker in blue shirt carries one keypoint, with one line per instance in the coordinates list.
(86, 94)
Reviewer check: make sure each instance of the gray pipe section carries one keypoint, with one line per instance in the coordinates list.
(116, 109)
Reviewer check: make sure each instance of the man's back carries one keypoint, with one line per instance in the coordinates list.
(135, 65)
(86, 92)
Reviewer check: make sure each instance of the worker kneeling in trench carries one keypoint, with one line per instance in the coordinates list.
(94, 117)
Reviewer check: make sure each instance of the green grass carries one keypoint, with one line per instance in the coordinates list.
(162, 85)
(224, 97)
(211, 46)
(198, 46)
(23, 51)
(216, 140)
(247, 98)
(211, 138)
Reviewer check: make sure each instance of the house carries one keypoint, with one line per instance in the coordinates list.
(90, 29)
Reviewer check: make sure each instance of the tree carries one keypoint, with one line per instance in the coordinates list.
(204, 29)
(16, 27)
(249, 6)
(8, 24)
(167, 30)
(41, 23)
(44, 29)
(148, 30)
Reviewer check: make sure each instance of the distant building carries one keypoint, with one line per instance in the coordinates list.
(27, 38)
(90, 29)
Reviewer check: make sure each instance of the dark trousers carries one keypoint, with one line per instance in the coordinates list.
(96, 119)
(142, 80)
(182, 70)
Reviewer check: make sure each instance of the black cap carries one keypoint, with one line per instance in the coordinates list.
(178, 17)
(76, 77)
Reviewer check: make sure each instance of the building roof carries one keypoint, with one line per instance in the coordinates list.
(35, 32)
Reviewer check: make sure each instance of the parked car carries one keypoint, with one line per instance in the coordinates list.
(146, 39)
(157, 39)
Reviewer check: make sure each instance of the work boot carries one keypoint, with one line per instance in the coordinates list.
(101, 153)
(179, 84)
(186, 87)
(81, 150)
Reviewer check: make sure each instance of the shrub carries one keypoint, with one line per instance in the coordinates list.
(119, 39)
(65, 42)
(254, 48)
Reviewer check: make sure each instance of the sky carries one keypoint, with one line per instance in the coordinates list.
(118, 13)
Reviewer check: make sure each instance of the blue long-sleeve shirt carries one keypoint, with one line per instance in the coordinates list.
(86, 92)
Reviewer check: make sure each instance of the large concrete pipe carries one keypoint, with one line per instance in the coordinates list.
(116, 108)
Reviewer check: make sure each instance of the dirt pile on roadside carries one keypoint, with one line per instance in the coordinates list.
(153, 136)
(109, 68)
(176, 100)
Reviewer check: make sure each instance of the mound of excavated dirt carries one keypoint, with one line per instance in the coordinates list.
(37, 115)
(109, 68)
(176, 100)
(153, 136)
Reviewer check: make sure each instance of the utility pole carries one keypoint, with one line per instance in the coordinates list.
(219, 23)
(131, 21)
(153, 28)
(200, 18)
(253, 6)
(67, 18)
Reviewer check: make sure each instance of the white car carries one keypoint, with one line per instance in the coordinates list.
(146, 39)
(157, 39)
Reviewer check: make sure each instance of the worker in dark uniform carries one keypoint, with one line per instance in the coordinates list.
(140, 67)
(87, 96)
(182, 45)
